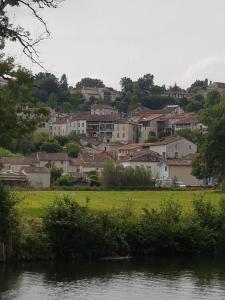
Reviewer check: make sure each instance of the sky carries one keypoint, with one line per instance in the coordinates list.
(176, 40)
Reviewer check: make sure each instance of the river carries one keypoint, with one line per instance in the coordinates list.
(155, 279)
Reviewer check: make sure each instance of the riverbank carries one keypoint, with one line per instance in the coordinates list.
(67, 230)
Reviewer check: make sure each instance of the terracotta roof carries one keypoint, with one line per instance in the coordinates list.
(184, 161)
(52, 156)
(143, 156)
(36, 170)
(103, 118)
(188, 119)
(150, 117)
(97, 156)
(18, 160)
(166, 141)
(130, 146)
(179, 162)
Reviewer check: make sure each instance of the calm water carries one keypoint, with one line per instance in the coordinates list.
(153, 279)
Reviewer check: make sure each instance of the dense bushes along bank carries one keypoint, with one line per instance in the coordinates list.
(68, 231)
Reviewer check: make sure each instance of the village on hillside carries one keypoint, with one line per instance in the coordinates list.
(106, 135)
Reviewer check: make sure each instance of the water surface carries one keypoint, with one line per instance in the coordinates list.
(155, 279)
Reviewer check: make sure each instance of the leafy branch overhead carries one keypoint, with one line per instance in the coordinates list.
(13, 33)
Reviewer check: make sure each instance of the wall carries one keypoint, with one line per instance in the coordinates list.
(39, 180)
(183, 173)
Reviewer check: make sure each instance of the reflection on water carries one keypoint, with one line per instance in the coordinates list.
(157, 279)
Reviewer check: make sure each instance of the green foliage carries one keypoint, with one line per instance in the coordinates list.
(55, 174)
(116, 176)
(18, 106)
(211, 151)
(89, 82)
(65, 180)
(72, 149)
(93, 179)
(6, 153)
(75, 232)
(213, 97)
(51, 146)
(195, 136)
(9, 223)
(152, 138)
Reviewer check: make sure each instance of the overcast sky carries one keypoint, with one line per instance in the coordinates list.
(176, 40)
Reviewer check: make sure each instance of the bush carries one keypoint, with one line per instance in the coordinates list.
(66, 180)
(75, 232)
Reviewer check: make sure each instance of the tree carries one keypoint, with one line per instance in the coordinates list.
(198, 85)
(72, 149)
(126, 84)
(51, 146)
(55, 174)
(89, 82)
(211, 151)
(8, 222)
(146, 82)
(18, 105)
(213, 97)
(17, 33)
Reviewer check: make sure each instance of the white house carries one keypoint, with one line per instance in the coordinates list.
(173, 147)
(148, 159)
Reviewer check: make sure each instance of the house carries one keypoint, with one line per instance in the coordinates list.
(125, 131)
(103, 110)
(58, 128)
(173, 147)
(135, 114)
(59, 160)
(104, 93)
(148, 159)
(38, 177)
(78, 124)
(10, 178)
(180, 170)
(15, 164)
(101, 127)
(190, 121)
(150, 123)
(128, 150)
(91, 161)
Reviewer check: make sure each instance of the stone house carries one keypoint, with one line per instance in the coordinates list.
(38, 177)
(149, 123)
(103, 110)
(125, 131)
(59, 160)
(173, 147)
(181, 169)
(148, 159)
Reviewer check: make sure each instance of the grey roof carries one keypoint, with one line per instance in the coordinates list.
(52, 156)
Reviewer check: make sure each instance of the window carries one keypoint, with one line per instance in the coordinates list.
(176, 154)
(61, 162)
(118, 135)
(83, 124)
(189, 147)
(78, 124)
(166, 168)
(124, 135)
(164, 154)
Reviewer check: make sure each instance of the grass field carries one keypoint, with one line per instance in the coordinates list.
(33, 202)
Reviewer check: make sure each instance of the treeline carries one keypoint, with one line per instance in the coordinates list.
(68, 231)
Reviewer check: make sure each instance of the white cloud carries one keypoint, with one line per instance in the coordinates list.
(212, 67)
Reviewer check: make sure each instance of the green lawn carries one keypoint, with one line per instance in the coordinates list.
(32, 203)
